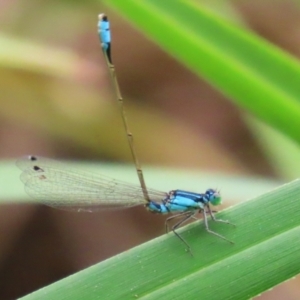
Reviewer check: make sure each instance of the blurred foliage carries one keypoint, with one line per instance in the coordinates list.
(56, 98)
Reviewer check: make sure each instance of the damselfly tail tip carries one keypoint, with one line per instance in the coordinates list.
(102, 17)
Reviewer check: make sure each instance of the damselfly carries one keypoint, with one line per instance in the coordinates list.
(55, 184)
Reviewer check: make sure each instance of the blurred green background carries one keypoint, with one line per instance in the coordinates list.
(56, 100)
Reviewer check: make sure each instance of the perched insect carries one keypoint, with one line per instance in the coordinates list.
(55, 184)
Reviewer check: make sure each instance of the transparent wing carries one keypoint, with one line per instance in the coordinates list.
(55, 184)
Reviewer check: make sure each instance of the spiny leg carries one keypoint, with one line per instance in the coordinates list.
(208, 211)
(173, 217)
(188, 215)
(212, 232)
(215, 219)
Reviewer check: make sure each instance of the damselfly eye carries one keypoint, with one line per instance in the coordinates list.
(214, 196)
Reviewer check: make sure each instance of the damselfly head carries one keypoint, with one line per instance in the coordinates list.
(214, 196)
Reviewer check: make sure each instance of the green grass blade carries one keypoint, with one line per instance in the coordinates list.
(258, 76)
(266, 252)
(276, 147)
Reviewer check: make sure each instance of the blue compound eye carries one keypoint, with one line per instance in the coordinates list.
(214, 197)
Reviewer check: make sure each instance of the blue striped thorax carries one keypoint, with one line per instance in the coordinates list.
(181, 201)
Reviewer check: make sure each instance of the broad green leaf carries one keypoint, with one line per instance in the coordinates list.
(266, 252)
(255, 74)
